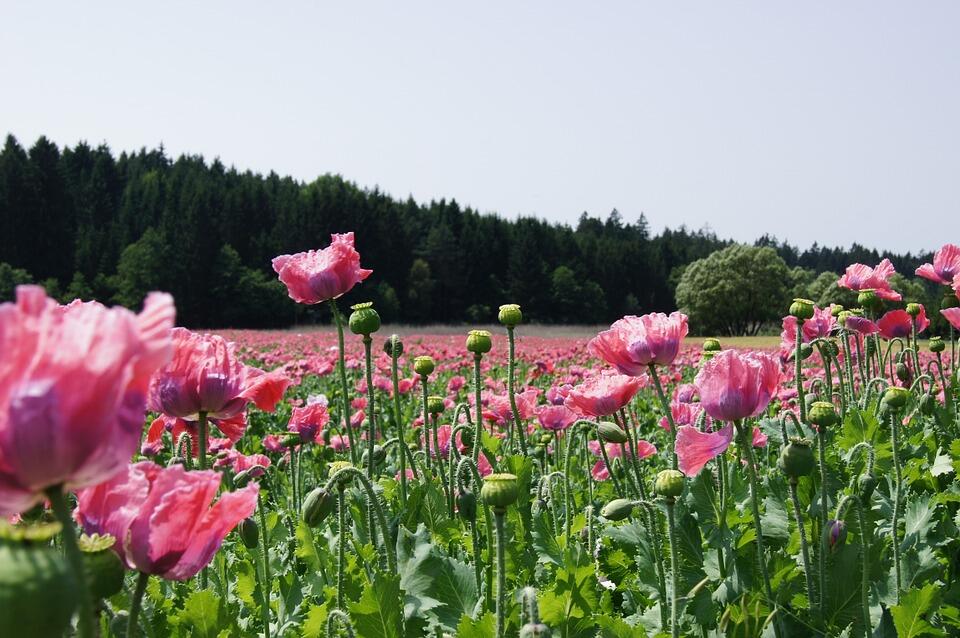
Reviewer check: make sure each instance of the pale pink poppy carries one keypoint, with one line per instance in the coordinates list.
(165, 520)
(860, 277)
(73, 386)
(233, 428)
(555, 418)
(953, 316)
(603, 395)
(861, 325)
(695, 448)
(736, 386)
(633, 343)
(318, 275)
(945, 266)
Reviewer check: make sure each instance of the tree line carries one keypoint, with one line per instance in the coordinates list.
(88, 223)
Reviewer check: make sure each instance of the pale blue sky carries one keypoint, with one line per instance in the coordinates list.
(829, 121)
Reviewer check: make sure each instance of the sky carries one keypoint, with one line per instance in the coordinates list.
(812, 121)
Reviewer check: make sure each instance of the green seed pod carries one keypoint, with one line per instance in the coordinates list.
(796, 458)
(802, 309)
(902, 372)
(534, 630)
(928, 404)
(249, 532)
(102, 566)
(822, 414)
(949, 300)
(711, 345)
(435, 405)
(393, 346)
(896, 397)
(869, 300)
(914, 309)
(379, 456)
(318, 505)
(617, 509)
(830, 348)
(510, 315)
(546, 438)
(669, 483)
(866, 484)
(479, 342)
(836, 310)
(937, 344)
(499, 491)
(423, 365)
(467, 506)
(611, 432)
(805, 351)
(37, 592)
(364, 320)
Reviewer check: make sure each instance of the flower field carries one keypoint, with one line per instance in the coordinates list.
(156, 481)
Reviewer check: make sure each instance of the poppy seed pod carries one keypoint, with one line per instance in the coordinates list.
(669, 484)
(318, 505)
(805, 351)
(37, 591)
(896, 397)
(711, 345)
(423, 365)
(822, 414)
(836, 309)
(902, 372)
(796, 458)
(500, 491)
(949, 300)
(937, 344)
(914, 309)
(479, 342)
(393, 346)
(249, 532)
(830, 348)
(435, 405)
(617, 509)
(869, 300)
(101, 564)
(802, 309)
(611, 432)
(510, 315)
(364, 320)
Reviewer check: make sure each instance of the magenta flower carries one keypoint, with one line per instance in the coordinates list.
(953, 316)
(73, 388)
(164, 519)
(309, 422)
(555, 418)
(861, 325)
(206, 375)
(604, 394)
(320, 275)
(945, 266)
(860, 277)
(695, 448)
(736, 386)
(633, 343)
(898, 323)
(601, 472)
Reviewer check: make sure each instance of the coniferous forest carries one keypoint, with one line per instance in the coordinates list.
(86, 222)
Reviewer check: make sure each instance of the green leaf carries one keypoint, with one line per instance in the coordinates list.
(909, 616)
(568, 607)
(917, 519)
(204, 614)
(483, 627)
(544, 542)
(456, 589)
(315, 625)
(245, 584)
(618, 628)
(774, 518)
(377, 614)
(942, 464)
(306, 546)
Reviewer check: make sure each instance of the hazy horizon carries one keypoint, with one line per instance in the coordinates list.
(799, 122)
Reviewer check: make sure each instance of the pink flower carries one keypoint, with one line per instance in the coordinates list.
(898, 323)
(319, 275)
(555, 417)
(339, 443)
(953, 316)
(309, 422)
(273, 443)
(601, 472)
(685, 393)
(695, 448)
(735, 386)
(240, 462)
(233, 428)
(73, 387)
(820, 325)
(633, 343)
(860, 277)
(945, 266)
(164, 519)
(861, 325)
(603, 395)
(206, 375)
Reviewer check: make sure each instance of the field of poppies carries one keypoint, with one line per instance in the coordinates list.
(158, 482)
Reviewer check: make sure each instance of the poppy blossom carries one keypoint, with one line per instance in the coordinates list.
(945, 266)
(735, 386)
(633, 343)
(603, 394)
(860, 277)
(319, 275)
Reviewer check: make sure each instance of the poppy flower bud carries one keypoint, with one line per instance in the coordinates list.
(423, 365)
(611, 432)
(711, 345)
(617, 509)
(805, 351)
(802, 309)
(796, 459)
(466, 438)
(37, 591)
(830, 348)
(479, 342)
(949, 300)
(318, 505)
(903, 372)
(510, 315)
(835, 534)
(379, 456)
(836, 310)
(937, 345)
(896, 397)
(293, 440)
(822, 414)
(249, 532)
(500, 491)
(669, 484)
(914, 309)
(534, 630)
(866, 484)
(467, 505)
(364, 320)
(393, 346)
(435, 405)
(927, 403)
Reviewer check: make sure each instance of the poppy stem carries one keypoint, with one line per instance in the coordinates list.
(511, 368)
(133, 627)
(672, 439)
(401, 430)
(58, 501)
(499, 514)
(804, 549)
(671, 522)
(341, 542)
(267, 580)
(344, 389)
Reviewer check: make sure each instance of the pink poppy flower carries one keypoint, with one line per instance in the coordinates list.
(695, 448)
(273, 443)
(953, 316)
(683, 414)
(861, 325)
(603, 395)
(206, 375)
(633, 343)
(455, 383)
(555, 418)
(309, 422)
(73, 385)
(164, 519)
(443, 440)
(685, 393)
(233, 428)
(945, 266)
(241, 462)
(339, 443)
(557, 394)
(898, 323)
(318, 275)
(860, 277)
(600, 471)
(820, 325)
(735, 386)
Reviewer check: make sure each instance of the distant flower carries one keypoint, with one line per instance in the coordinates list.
(860, 277)
(555, 417)
(319, 275)
(309, 422)
(945, 266)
